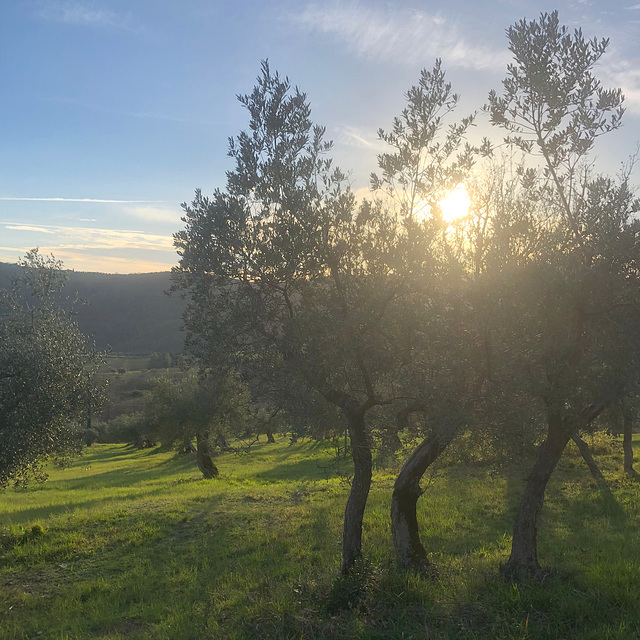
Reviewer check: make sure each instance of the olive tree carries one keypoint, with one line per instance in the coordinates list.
(211, 407)
(570, 313)
(46, 373)
(290, 279)
(427, 158)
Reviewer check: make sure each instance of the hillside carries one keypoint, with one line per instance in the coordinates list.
(129, 314)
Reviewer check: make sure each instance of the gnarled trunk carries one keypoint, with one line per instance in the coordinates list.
(362, 471)
(523, 561)
(410, 552)
(203, 457)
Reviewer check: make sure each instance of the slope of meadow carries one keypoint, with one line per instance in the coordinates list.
(132, 544)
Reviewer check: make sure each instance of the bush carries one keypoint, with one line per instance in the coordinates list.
(602, 442)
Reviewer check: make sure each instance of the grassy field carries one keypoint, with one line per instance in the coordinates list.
(132, 544)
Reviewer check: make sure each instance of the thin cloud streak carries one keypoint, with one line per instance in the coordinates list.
(142, 115)
(12, 199)
(356, 137)
(407, 37)
(83, 238)
(25, 227)
(82, 261)
(79, 14)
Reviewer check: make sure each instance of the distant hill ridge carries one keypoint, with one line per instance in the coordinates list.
(129, 314)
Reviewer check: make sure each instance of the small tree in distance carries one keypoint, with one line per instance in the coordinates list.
(209, 407)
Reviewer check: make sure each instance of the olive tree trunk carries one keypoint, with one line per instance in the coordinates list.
(355, 413)
(585, 452)
(203, 457)
(362, 471)
(523, 561)
(410, 552)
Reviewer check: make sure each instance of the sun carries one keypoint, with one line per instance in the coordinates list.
(456, 204)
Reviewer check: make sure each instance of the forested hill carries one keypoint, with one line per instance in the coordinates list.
(130, 314)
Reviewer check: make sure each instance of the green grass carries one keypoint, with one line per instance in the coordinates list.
(132, 544)
(130, 363)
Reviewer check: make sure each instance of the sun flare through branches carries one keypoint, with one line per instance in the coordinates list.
(455, 204)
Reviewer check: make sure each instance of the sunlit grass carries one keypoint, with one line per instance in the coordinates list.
(132, 544)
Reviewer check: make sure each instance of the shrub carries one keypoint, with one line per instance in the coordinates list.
(602, 442)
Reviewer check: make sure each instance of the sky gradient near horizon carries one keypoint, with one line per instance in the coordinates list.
(114, 111)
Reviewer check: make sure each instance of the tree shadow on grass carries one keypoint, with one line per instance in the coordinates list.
(98, 454)
(25, 516)
(480, 520)
(129, 475)
(216, 568)
(310, 469)
(583, 507)
(146, 482)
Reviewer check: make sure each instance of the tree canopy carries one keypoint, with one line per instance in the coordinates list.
(46, 373)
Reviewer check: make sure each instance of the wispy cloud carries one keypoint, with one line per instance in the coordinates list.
(86, 261)
(26, 227)
(155, 214)
(361, 139)
(111, 264)
(82, 14)
(140, 115)
(624, 73)
(406, 37)
(14, 199)
(83, 238)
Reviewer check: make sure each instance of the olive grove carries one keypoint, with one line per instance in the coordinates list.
(519, 320)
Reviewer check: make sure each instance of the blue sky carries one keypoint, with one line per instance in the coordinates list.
(114, 111)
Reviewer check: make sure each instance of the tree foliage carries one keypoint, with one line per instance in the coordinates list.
(46, 373)
(289, 279)
(179, 410)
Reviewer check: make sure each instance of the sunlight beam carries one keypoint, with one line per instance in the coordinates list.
(455, 205)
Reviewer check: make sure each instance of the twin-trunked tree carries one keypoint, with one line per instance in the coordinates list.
(304, 286)
(524, 312)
